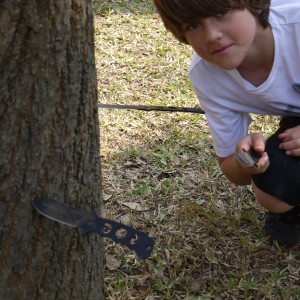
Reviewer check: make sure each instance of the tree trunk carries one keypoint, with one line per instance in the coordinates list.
(49, 146)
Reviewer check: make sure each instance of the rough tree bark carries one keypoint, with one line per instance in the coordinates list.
(49, 146)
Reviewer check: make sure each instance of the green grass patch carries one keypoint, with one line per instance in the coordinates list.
(160, 175)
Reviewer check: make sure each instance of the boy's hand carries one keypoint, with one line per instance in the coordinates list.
(255, 142)
(291, 141)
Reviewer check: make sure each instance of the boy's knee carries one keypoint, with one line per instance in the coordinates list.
(281, 181)
(270, 202)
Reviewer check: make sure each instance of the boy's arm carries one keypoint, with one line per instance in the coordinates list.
(233, 171)
(238, 173)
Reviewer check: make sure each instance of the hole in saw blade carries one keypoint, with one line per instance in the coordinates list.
(121, 233)
(106, 228)
(134, 239)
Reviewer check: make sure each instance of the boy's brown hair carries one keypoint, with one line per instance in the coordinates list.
(175, 13)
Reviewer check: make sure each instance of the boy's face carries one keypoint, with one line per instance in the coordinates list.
(223, 40)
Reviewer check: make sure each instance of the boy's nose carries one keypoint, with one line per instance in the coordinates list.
(212, 31)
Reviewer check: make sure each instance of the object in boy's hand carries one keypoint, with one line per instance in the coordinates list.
(248, 158)
(296, 87)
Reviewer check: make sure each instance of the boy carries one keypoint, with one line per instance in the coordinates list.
(247, 60)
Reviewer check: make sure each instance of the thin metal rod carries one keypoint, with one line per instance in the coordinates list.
(150, 108)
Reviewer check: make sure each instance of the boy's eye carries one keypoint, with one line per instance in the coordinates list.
(191, 27)
(222, 14)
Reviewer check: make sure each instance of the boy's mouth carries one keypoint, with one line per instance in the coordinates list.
(220, 50)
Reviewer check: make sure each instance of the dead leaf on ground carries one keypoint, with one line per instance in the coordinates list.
(135, 206)
(196, 285)
(112, 263)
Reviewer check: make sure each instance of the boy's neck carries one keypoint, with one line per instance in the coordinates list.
(257, 67)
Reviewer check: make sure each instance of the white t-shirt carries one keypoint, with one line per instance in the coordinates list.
(228, 99)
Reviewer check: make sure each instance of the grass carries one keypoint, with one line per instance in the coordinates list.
(160, 176)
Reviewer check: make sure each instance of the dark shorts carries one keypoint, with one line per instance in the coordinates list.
(282, 178)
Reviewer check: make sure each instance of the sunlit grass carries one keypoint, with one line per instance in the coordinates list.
(208, 236)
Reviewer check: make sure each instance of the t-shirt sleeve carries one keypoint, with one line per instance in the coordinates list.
(227, 127)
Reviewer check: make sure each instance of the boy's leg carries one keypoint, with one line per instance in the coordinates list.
(281, 182)
(270, 202)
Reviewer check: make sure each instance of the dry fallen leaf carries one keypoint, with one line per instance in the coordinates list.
(112, 263)
(135, 206)
(106, 197)
(196, 285)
